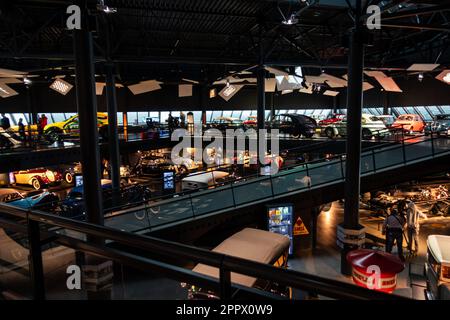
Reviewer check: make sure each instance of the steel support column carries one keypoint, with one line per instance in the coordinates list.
(261, 85)
(87, 114)
(113, 136)
(353, 159)
(35, 260)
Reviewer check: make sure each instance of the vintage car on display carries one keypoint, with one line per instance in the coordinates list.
(440, 125)
(332, 118)
(42, 200)
(152, 164)
(37, 178)
(251, 121)
(409, 123)
(437, 267)
(294, 124)
(204, 180)
(371, 126)
(70, 127)
(73, 205)
(387, 119)
(223, 123)
(440, 208)
(7, 140)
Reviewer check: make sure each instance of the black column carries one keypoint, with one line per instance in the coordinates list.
(353, 159)
(261, 85)
(87, 113)
(386, 103)
(113, 137)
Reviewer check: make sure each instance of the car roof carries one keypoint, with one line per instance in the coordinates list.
(439, 246)
(251, 244)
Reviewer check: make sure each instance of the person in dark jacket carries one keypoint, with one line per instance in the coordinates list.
(393, 229)
(4, 122)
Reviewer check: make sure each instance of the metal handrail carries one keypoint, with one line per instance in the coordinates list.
(158, 247)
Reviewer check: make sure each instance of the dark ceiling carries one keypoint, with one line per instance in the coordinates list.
(205, 39)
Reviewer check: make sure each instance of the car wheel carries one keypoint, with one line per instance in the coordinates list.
(183, 170)
(367, 134)
(36, 184)
(53, 135)
(68, 177)
(296, 135)
(329, 133)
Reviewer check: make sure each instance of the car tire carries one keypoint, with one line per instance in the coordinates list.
(296, 135)
(366, 134)
(53, 135)
(329, 133)
(68, 177)
(36, 184)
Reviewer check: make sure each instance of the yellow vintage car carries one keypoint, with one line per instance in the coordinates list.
(70, 127)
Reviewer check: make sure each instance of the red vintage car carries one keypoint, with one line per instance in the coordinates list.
(332, 118)
(251, 121)
(37, 177)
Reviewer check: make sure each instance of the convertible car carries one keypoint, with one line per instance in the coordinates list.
(37, 178)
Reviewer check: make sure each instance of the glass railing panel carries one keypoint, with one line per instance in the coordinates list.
(170, 212)
(212, 200)
(290, 180)
(366, 162)
(418, 150)
(245, 192)
(130, 221)
(441, 145)
(388, 157)
(324, 172)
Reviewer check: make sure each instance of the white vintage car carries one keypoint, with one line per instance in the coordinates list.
(37, 177)
(437, 267)
(371, 126)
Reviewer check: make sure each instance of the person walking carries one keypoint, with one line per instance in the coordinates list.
(4, 122)
(21, 129)
(412, 223)
(44, 121)
(393, 229)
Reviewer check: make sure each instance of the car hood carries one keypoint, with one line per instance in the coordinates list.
(29, 202)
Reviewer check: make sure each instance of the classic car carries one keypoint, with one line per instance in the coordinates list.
(70, 127)
(223, 123)
(371, 126)
(440, 125)
(294, 124)
(151, 163)
(37, 178)
(332, 118)
(251, 121)
(409, 123)
(42, 200)
(73, 205)
(441, 208)
(204, 179)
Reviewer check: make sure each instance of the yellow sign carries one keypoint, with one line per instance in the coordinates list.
(300, 228)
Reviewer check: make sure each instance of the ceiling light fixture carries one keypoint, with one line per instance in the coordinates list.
(61, 86)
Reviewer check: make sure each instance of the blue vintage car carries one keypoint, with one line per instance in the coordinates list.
(41, 201)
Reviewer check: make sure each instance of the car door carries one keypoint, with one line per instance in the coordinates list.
(286, 125)
(73, 126)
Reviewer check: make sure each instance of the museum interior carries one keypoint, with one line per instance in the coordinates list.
(238, 149)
